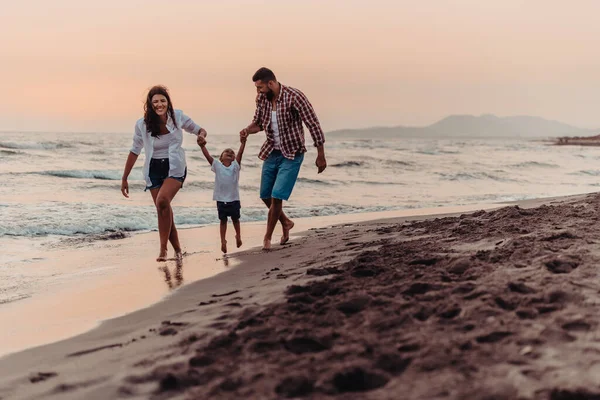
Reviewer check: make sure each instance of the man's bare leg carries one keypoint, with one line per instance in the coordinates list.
(286, 223)
(274, 215)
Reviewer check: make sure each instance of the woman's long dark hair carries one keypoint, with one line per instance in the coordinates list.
(152, 119)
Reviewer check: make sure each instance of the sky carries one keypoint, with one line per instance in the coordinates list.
(86, 66)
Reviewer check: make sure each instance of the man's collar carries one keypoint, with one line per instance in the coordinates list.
(281, 88)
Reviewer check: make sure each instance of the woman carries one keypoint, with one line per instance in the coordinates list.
(160, 134)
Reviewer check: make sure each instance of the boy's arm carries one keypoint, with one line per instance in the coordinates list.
(240, 152)
(202, 144)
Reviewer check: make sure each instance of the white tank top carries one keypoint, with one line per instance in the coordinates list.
(161, 146)
(275, 128)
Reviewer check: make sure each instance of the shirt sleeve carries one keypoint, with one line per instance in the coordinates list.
(188, 125)
(213, 167)
(236, 165)
(138, 140)
(258, 113)
(309, 117)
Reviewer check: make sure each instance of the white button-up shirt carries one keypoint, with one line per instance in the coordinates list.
(142, 139)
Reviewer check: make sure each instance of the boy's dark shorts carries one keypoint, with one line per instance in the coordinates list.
(159, 171)
(229, 209)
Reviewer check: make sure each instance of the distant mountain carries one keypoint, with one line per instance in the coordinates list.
(486, 125)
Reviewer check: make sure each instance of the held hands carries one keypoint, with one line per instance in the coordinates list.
(244, 133)
(243, 139)
(321, 163)
(201, 141)
(125, 187)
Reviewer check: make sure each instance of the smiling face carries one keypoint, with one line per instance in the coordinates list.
(160, 105)
(267, 88)
(227, 157)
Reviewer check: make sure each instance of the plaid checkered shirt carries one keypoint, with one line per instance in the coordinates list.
(293, 108)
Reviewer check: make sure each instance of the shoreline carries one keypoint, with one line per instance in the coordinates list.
(136, 285)
(124, 333)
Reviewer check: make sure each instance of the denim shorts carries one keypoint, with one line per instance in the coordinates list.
(279, 175)
(229, 209)
(159, 171)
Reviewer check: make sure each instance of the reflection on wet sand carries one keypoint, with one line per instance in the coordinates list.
(178, 272)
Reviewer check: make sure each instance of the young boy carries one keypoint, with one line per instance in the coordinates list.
(227, 188)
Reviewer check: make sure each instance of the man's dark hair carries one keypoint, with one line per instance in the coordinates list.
(264, 74)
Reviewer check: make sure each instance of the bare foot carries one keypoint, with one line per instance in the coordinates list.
(266, 244)
(286, 232)
(238, 241)
(178, 255)
(162, 256)
(224, 246)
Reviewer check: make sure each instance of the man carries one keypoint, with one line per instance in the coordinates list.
(280, 111)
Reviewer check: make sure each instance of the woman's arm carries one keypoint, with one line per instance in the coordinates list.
(136, 149)
(188, 125)
(131, 159)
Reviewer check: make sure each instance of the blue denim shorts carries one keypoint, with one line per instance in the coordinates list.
(279, 175)
(159, 171)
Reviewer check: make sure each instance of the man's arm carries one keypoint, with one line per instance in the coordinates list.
(254, 126)
(202, 144)
(250, 129)
(310, 119)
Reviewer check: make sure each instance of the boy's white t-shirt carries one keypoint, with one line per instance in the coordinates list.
(227, 180)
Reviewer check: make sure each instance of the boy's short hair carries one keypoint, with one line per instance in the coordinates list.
(225, 151)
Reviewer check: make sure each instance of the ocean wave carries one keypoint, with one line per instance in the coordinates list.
(345, 164)
(335, 209)
(16, 297)
(10, 152)
(533, 164)
(463, 176)
(427, 152)
(316, 181)
(75, 219)
(83, 223)
(363, 182)
(590, 172)
(105, 175)
(36, 146)
(398, 162)
(85, 174)
(435, 152)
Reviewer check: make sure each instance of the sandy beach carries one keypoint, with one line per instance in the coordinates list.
(495, 304)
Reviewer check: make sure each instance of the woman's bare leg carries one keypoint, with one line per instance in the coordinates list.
(166, 223)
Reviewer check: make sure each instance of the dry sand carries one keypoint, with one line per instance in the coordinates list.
(498, 304)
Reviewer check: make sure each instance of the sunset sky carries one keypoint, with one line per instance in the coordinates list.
(85, 66)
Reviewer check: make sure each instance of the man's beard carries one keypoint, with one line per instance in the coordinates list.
(270, 95)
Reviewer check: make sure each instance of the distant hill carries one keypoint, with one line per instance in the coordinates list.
(474, 126)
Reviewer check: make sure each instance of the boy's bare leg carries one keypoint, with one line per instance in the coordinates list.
(223, 234)
(238, 234)
(286, 223)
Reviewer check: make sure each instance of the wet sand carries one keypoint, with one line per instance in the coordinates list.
(108, 279)
(497, 304)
